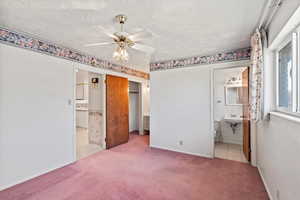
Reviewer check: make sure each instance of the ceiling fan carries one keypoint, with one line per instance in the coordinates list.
(125, 40)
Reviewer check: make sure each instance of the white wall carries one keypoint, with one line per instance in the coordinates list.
(278, 139)
(278, 147)
(96, 93)
(36, 120)
(180, 110)
(36, 130)
(146, 98)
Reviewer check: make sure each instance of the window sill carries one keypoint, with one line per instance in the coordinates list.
(286, 116)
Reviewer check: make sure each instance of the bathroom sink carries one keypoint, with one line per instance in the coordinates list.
(234, 122)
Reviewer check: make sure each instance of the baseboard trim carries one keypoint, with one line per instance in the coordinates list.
(184, 152)
(265, 183)
(42, 172)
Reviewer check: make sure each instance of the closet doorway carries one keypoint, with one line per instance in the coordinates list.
(134, 107)
(123, 110)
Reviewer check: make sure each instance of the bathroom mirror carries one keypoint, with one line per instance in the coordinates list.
(233, 95)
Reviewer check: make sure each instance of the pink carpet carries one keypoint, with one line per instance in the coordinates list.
(135, 171)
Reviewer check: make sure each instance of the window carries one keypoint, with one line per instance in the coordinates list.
(288, 75)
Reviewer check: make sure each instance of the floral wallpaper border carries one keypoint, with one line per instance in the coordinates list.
(30, 43)
(236, 55)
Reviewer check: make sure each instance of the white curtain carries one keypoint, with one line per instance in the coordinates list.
(256, 77)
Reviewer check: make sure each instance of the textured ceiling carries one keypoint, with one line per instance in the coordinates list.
(181, 28)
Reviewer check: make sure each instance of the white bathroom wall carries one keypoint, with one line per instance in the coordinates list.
(96, 92)
(82, 78)
(36, 103)
(82, 118)
(82, 105)
(180, 110)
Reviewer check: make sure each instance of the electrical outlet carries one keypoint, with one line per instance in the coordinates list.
(277, 194)
(180, 142)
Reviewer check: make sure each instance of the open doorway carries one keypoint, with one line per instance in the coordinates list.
(134, 107)
(230, 113)
(90, 135)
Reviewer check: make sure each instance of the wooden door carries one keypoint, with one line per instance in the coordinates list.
(117, 124)
(246, 114)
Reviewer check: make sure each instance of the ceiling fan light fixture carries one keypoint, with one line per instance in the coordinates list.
(120, 54)
(125, 40)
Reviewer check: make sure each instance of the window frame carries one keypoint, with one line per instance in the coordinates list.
(294, 38)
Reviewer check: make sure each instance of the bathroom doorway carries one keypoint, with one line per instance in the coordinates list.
(89, 93)
(231, 125)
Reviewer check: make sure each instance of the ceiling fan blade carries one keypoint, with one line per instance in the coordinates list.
(109, 31)
(141, 35)
(99, 44)
(144, 48)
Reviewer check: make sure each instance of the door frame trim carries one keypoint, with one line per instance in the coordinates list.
(212, 80)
